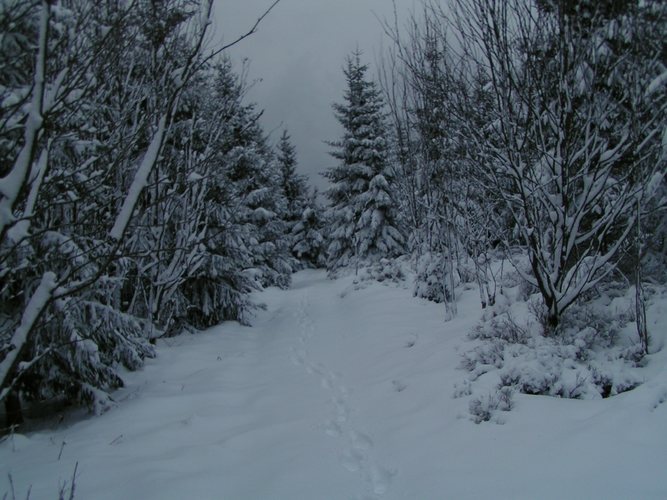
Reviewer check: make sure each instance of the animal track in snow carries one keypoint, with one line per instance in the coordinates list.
(412, 341)
(358, 454)
(380, 479)
(332, 428)
(360, 441)
(352, 460)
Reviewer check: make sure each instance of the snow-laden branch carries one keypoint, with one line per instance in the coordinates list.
(656, 84)
(36, 306)
(140, 179)
(20, 230)
(13, 183)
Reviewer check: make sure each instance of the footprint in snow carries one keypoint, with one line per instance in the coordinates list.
(341, 415)
(332, 428)
(330, 383)
(352, 460)
(412, 341)
(380, 479)
(339, 404)
(357, 456)
(360, 441)
(317, 368)
(298, 357)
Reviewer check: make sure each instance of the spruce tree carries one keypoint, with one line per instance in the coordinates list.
(308, 242)
(293, 185)
(377, 226)
(362, 221)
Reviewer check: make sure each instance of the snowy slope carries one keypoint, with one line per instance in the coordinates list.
(337, 393)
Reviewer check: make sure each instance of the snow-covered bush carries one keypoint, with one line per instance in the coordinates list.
(484, 408)
(385, 270)
(430, 282)
(462, 389)
(502, 327)
(594, 355)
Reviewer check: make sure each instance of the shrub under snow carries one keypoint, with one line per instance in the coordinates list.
(483, 408)
(385, 270)
(594, 355)
(430, 281)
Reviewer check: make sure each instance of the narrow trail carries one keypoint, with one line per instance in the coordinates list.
(357, 455)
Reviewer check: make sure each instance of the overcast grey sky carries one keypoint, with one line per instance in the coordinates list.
(298, 53)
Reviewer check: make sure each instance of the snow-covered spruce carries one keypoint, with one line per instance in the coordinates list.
(363, 216)
(308, 242)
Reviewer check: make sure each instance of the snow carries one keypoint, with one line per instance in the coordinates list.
(20, 230)
(261, 214)
(140, 180)
(38, 301)
(656, 83)
(653, 185)
(344, 390)
(12, 183)
(194, 177)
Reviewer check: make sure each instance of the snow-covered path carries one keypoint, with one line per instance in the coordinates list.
(337, 393)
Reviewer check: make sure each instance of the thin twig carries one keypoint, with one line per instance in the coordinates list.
(116, 439)
(73, 487)
(252, 30)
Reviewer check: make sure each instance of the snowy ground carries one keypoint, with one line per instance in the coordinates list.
(338, 393)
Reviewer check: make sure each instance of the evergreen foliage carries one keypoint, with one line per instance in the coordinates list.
(308, 241)
(294, 186)
(362, 211)
(138, 195)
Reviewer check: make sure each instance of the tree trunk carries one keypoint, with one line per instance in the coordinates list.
(13, 411)
(552, 320)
